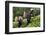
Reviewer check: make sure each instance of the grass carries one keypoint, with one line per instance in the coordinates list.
(34, 22)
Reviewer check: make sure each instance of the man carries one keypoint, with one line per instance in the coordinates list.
(28, 15)
(20, 20)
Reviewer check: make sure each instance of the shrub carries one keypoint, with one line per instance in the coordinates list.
(24, 23)
(15, 24)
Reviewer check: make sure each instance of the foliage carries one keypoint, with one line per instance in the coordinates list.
(35, 18)
(15, 24)
(34, 22)
(24, 23)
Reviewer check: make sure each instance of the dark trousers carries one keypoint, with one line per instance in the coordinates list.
(20, 23)
(28, 20)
